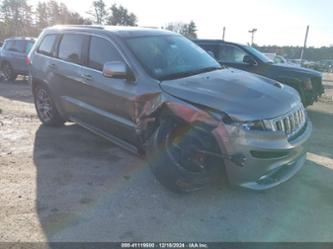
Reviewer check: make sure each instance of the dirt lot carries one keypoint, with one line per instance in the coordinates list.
(66, 184)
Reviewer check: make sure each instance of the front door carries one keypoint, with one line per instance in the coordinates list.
(233, 56)
(109, 101)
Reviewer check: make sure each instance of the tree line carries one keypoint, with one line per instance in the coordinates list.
(292, 52)
(19, 18)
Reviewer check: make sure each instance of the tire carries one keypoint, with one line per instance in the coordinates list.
(180, 167)
(305, 99)
(8, 72)
(45, 107)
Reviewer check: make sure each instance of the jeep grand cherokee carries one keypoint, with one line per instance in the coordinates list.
(156, 92)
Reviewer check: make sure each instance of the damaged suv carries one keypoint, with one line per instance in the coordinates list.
(156, 93)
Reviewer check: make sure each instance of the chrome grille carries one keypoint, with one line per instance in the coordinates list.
(290, 123)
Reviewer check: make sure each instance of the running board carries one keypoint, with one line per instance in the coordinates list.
(119, 142)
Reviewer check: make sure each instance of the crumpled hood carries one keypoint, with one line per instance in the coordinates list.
(243, 96)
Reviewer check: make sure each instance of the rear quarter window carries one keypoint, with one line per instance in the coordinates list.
(46, 46)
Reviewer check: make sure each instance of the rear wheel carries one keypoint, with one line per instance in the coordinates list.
(178, 157)
(46, 108)
(8, 72)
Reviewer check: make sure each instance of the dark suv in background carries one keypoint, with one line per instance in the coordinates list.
(307, 82)
(13, 56)
(156, 93)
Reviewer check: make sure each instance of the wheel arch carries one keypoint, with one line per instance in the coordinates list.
(38, 82)
(181, 113)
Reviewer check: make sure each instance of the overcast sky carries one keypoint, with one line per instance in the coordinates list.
(279, 22)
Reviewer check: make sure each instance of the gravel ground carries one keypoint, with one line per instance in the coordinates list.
(66, 184)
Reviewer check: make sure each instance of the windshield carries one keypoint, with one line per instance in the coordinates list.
(171, 57)
(259, 55)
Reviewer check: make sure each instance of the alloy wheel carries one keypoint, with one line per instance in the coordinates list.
(44, 105)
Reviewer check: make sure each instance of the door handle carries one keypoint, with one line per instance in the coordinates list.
(86, 76)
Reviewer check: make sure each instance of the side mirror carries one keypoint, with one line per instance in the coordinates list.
(116, 69)
(249, 60)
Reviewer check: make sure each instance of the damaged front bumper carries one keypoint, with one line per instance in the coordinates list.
(260, 160)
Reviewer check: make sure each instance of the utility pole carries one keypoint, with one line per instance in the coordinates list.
(223, 34)
(305, 41)
(252, 31)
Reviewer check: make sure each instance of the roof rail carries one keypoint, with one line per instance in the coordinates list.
(80, 26)
(21, 38)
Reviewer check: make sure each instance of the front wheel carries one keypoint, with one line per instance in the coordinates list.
(178, 157)
(45, 107)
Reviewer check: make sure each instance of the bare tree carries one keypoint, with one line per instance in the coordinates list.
(121, 16)
(186, 29)
(51, 13)
(16, 17)
(99, 12)
(41, 15)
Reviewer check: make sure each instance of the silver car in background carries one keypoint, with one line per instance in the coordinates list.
(13, 56)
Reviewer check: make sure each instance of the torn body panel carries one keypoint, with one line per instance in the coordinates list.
(150, 108)
(145, 108)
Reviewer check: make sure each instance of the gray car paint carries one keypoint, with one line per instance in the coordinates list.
(244, 96)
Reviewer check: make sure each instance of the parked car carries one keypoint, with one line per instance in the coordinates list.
(307, 82)
(13, 56)
(325, 65)
(156, 93)
(278, 59)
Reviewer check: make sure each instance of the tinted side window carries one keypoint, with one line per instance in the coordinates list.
(101, 51)
(46, 45)
(210, 48)
(70, 48)
(231, 54)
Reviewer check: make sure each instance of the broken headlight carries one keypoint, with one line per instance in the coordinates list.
(259, 125)
(254, 126)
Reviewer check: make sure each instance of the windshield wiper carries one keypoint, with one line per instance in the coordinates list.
(189, 73)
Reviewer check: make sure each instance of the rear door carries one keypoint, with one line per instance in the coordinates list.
(109, 101)
(66, 78)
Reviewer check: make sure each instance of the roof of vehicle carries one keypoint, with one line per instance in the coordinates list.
(217, 41)
(21, 38)
(123, 31)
